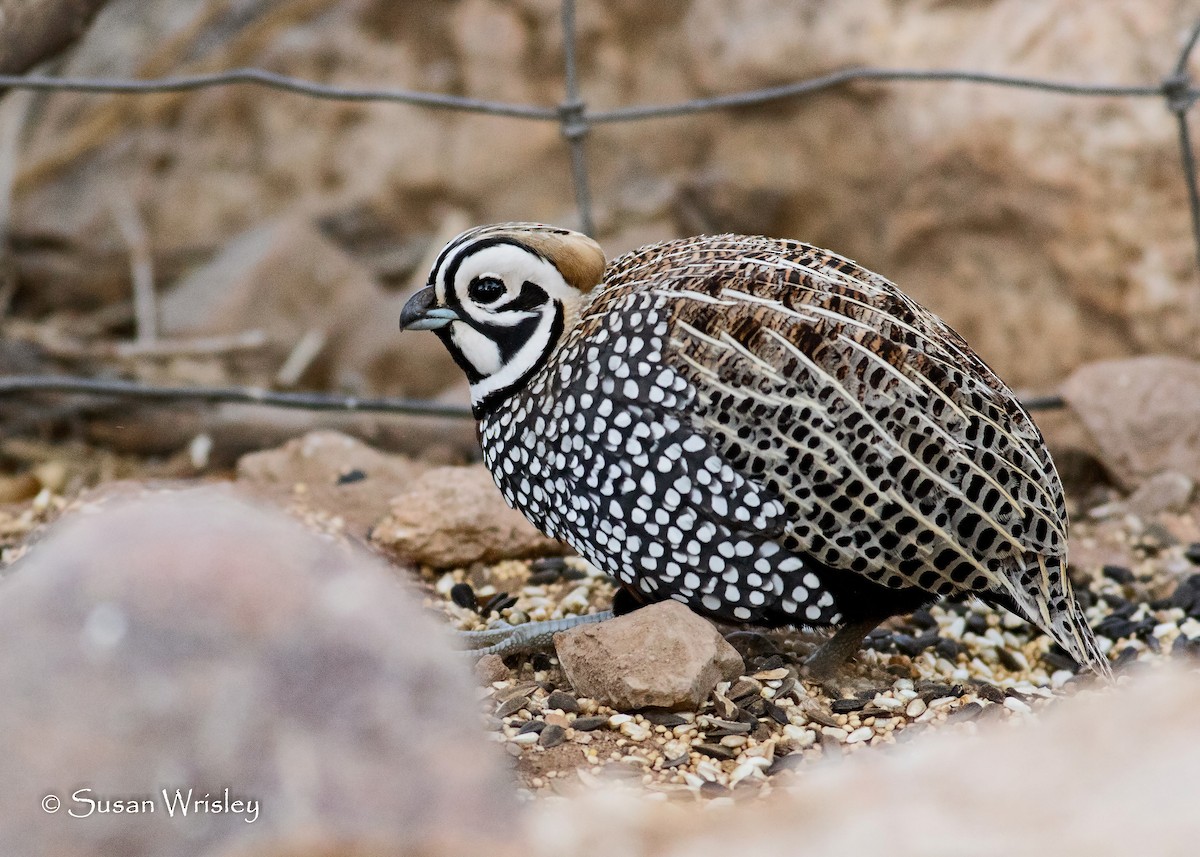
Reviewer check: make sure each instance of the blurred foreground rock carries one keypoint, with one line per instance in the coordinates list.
(454, 516)
(331, 473)
(1143, 415)
(1102, 775)
(661, 655)
(190, 640)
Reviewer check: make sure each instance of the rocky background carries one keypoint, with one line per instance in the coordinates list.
(1049, 230)
(157, 629)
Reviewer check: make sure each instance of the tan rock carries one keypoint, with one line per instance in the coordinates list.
(1143, 413)
(331, 473)
(661, 655)
(491, 668)
(454, 516)
(1163, 492)
(192, 640)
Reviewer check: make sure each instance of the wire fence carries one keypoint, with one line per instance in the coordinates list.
(575, 121)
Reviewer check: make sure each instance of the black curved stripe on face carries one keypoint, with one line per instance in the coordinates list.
(469, 251)
(493, 399)
(452, 245)
(509, 339)
(531, 297)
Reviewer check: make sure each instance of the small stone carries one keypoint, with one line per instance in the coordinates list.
(715, 751)
(552, 735)
(662, 656)
(915, 708)
(453, 516)
(798, 737)
(491, 668)
(635, 731)
(531, 726)
(907, 645)
(948, 649)
(922, 619)
(1014, 704)
(863, 733)
(668, 719)
(977, 623)
(587, 724)
(546, 570)
(563, 701)
(525, 738)
(837, 733)
(772, 675)
(1118, 574)
(1141, 412)
(1192, 553)
(749, 769)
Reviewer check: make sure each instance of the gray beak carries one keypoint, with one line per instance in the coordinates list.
(420, 313)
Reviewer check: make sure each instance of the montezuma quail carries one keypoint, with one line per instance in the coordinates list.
(760, 429)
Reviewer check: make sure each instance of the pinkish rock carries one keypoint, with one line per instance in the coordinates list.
(332, 474)
(454, 516)
(190, 640)
(1143, 414)
(661, 655)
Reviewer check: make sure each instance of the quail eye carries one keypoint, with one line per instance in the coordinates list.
(484, 290)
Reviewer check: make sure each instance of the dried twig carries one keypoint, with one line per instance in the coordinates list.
(141, 265)
(302, 356)
(14, 112)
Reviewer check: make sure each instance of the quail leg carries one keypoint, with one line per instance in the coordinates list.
(510, 639)
(825, 661)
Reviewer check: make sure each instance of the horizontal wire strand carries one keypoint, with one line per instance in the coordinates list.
(575, 121)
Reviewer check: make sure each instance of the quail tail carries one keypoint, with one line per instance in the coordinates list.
(1054, 609)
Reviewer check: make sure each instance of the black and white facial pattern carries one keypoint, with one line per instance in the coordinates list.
(510, 306)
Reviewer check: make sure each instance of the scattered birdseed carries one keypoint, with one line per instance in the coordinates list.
(464, 596)
(969, 664)
(563, 702)
(587, 724)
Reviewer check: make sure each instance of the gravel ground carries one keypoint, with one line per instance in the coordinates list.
(955, 665)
